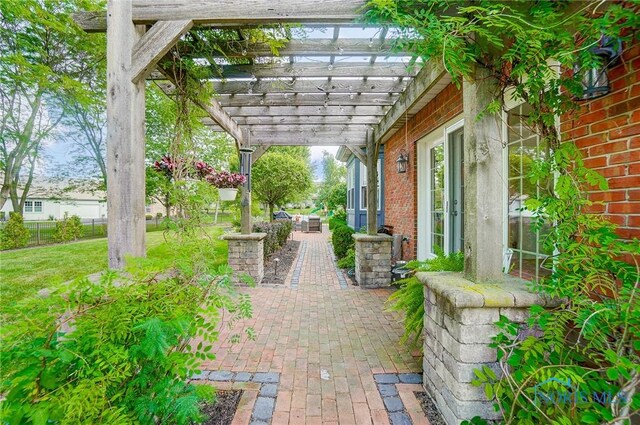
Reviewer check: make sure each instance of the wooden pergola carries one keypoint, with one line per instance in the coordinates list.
(336, 90)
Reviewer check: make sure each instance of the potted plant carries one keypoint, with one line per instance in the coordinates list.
(227, 183)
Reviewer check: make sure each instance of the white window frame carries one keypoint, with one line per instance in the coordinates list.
(510, 104)
(37, 204)
(437, 137)
(28, 206)
(363, 184)
(351, 171)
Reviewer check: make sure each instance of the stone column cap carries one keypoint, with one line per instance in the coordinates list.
(381, 237)
(244, 237)
(463, 293)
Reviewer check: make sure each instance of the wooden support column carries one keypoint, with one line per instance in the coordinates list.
(125, 139)
(484, 181)
(372, 184)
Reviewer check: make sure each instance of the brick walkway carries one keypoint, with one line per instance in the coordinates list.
(326, 341)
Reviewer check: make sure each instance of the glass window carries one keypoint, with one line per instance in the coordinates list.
(436, 163)
(351, 186)
(529, 260)
(37, 206)
(363, 186)
(28, 206)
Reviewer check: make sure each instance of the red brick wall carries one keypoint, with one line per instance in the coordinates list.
(607, 131)
(400, 193)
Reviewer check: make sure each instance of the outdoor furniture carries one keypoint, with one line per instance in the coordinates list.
(311, 224)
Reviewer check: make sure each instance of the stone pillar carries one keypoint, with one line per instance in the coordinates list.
(484, 180)
(373, 260)
(458, 327)
(246, 254)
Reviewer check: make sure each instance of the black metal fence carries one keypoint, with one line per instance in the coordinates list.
(43, 232)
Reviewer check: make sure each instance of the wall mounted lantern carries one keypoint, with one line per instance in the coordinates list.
(402, 162)
(595, 81)
(245, 165)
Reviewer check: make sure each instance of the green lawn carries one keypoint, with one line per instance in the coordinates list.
(23, 272)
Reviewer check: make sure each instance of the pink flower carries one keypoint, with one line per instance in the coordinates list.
(226, 180)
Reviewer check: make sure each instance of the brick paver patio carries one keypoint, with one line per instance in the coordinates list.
(324, 340)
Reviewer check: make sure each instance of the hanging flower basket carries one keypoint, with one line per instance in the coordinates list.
(227, 193)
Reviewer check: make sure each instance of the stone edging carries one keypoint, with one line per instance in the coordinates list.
(386, 384)
(295, 278)
(264, 406)
(341, 280)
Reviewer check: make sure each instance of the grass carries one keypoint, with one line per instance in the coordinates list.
(24, 272)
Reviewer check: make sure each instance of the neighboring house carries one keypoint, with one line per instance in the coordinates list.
(425, 203)
(52, 200)
(357, 188)
(48, 201)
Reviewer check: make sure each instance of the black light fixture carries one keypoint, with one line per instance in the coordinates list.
(245, 165)
(402, 161)
(595, 81)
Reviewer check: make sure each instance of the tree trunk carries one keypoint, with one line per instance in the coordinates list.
(271, 212)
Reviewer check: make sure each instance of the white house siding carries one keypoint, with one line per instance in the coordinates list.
(85, 209)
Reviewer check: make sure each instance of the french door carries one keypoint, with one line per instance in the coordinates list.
(443, 211)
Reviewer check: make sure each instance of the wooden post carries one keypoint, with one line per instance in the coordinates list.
(484, 181)
(372, 184)
(125, 138)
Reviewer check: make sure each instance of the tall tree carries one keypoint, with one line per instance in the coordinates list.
(44, 56)
(278, 178)
(333, 187)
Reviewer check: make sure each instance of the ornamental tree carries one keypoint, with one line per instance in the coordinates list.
(278, 178)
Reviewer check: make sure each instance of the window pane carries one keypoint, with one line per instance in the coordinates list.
(37, 206)
(515, 161)
(28, 206)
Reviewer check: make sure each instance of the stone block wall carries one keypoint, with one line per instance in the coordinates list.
(458, 327)
(373, 260)
(246, 254)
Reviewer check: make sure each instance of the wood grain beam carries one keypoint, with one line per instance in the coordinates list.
(300, 120)
(253, 111)
(308, 139)
(310, 86)
(309, 99)
(359, 153)
(258, 152)
(154, 45)
(233, 12)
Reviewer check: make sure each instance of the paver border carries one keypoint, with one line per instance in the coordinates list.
(341, 280)
(295, 278)
(387, 384)
(264, 406)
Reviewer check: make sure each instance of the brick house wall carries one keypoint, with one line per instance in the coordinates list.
(607, 131)
(400, 190)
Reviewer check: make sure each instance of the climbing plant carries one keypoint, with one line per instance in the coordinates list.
(584, 364)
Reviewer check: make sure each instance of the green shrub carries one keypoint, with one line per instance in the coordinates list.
(336, 222)
(119, 351)
(340, 214)
(68, 229)
(277, 232)
(342, 240)
(409, 299)
(148, 217)
(349, 261)
(14, 233)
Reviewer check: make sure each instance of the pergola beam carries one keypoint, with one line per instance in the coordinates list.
(232, 12)
(358, 152)
(320, 138)
(258, 152)
(350, 86)
(252, 111)
(308, 99)
(303, 120)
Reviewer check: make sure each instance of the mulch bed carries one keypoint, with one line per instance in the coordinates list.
(221, 411)
(287, 255)
(429, 408)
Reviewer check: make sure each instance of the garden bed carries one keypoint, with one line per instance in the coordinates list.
(429, 408)
(223, 409)
(287, 255)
